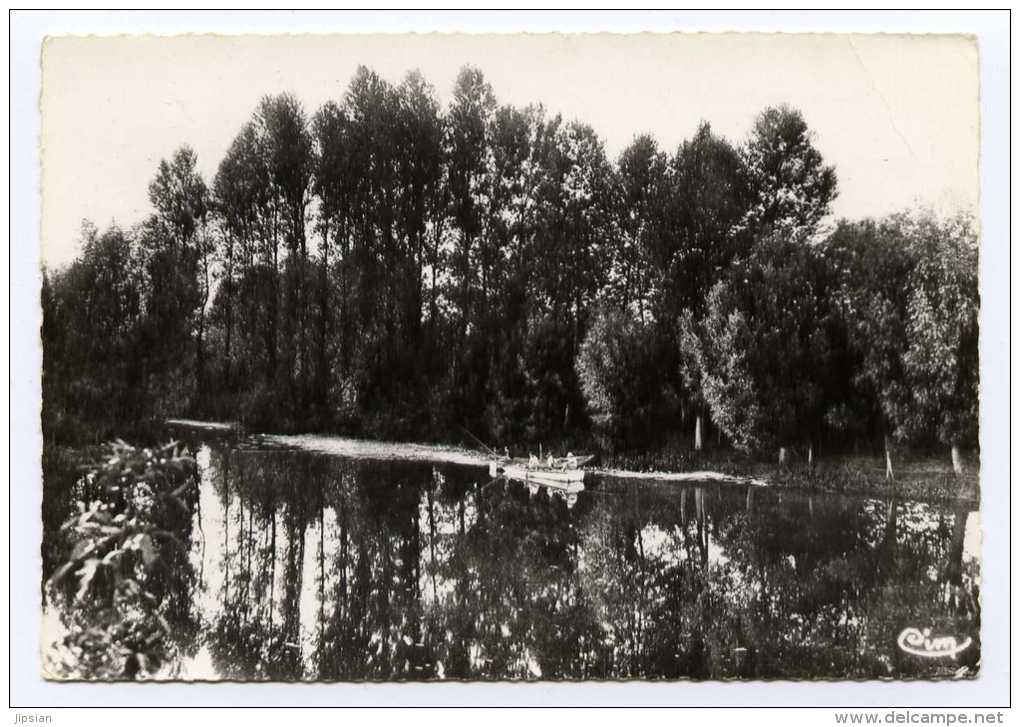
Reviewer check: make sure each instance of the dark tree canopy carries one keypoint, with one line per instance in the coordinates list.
(908, 296)
(387, 265)
(766, 346)
(790, 184)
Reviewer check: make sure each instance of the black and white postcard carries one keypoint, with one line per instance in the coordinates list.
(496, 357)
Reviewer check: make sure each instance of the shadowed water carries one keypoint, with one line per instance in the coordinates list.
(308, 566)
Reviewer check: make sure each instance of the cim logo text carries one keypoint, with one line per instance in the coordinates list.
(922, 643)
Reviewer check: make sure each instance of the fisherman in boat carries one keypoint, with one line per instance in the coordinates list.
(532, 460)
(551, 461)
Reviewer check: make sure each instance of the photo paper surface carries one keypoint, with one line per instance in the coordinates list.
(536, 357)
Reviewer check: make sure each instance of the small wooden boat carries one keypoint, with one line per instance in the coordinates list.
(534, 480)
(565, 472)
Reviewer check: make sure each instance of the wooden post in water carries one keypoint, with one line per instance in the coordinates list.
(954, 568)
(697, 433)
(322, 571)
(888, 460)
(957, 461)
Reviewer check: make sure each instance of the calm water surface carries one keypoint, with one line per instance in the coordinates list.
(307, 566)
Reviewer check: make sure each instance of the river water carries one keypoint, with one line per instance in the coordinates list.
(313, 566)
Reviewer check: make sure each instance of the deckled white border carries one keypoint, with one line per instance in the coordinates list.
(28, 690)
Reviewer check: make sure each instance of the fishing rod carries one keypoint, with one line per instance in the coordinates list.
(484, 445)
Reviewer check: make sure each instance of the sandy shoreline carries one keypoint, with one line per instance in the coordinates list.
(412, 452)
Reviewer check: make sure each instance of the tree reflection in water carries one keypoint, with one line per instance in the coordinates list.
(314, 567)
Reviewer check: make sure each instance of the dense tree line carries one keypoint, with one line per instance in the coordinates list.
(391, 267)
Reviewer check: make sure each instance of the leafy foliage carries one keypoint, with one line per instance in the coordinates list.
(765, 349)
(941, 359)
(908, 297)
(116, 589)
(92, 313)
(792, 187)
(616, 366)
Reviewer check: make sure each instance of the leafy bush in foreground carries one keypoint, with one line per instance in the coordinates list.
(125, 560)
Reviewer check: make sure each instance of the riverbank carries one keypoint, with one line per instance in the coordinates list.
(369, 449)
(199, 424)
(373, 449)
(917, 476)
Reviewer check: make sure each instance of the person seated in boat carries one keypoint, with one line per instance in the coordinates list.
(532, 460)
(551, 461)
(571, 461)
(506, 452)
